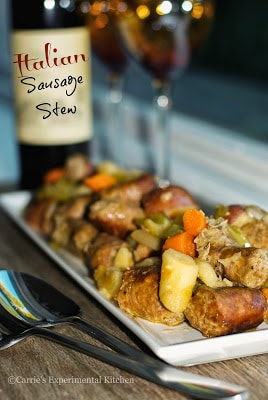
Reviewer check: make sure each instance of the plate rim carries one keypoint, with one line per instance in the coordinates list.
(179, 354)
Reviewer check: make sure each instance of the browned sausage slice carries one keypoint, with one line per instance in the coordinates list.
(224, 311)
(246, 266)
(138, 296)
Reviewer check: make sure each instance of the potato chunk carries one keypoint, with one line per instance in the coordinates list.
(207, 274)
(178, 277)
(108, 280)
(123, 259)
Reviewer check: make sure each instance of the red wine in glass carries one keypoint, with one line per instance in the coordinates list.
(162, 37)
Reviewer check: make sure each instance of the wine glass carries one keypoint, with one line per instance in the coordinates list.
(161, 36)
(100, 17)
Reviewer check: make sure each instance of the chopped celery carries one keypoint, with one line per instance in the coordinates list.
(235, 232)
(171, 230)
(146, 238)
(156, 224)
(220, 211)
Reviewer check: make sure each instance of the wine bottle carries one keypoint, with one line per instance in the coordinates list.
(50, 56)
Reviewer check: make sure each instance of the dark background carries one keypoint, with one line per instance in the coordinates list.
(238, 44)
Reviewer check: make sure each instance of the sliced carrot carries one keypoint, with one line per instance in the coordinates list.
(265, 292)
(99, 181)
(194, 221)
(183, 242)
(54, 175)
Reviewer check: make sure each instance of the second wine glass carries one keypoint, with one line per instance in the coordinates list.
(160, 36)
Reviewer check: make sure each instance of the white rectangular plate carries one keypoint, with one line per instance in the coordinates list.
(181, 345)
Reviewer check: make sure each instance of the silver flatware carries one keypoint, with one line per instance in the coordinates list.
(28, 306)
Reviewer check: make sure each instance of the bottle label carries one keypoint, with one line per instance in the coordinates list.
(52, 85)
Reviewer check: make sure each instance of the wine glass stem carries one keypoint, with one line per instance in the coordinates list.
(112, 138)
(161, 136)
(115, 82)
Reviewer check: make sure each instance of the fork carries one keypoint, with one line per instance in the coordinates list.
(191, 385)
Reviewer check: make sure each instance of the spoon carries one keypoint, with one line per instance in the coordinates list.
(37, 303)
(28, 304)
